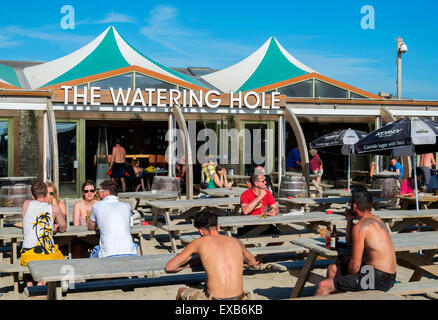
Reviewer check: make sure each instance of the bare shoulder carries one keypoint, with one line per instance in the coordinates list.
(370, 221)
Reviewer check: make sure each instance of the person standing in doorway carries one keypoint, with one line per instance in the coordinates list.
(293, 161)
(316, 164)
(427, 161)
(117, 164)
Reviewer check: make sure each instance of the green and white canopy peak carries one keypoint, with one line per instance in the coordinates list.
(271, 63)
(9, 76)
(109, 51)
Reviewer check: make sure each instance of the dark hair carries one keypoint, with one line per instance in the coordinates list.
(111, 186)
(205, 219)
(393, 158)
(88, 183)
(218, 168)
(362, 198)
(39, 190)
(118, 140)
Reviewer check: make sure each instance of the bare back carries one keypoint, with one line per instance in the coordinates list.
(222, 258)
(119, 154)
(377, 243)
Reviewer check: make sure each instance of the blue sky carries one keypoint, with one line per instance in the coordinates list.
(325, 35)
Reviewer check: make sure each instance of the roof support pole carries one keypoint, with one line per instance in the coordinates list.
(387, 116)
(281, 154)
(176, 111)
(171, 154)
(302, 146)
(54, 138)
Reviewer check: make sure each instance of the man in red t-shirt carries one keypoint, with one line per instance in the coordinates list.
(257, 199)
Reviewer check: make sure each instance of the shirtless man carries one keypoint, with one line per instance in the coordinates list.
(369, 234)
(118, 158)
(222, 257)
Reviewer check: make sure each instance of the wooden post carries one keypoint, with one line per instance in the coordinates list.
(52, 132)
(176, 111)
(302, 146)
(281, 153)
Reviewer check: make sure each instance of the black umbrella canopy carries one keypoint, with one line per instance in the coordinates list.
(402, 137)
(337, 141)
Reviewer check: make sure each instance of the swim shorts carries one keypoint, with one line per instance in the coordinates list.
(202, 294)
(118, 170)
(383, 281)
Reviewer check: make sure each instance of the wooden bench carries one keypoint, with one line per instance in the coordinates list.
(67, 276)
(16, 270)
(395, 293)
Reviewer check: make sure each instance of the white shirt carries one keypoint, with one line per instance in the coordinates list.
(113, 218)
(38, 227)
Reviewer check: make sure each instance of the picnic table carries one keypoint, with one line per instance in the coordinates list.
(346, 193)
(8, 211)
(398, 220)
(148, 195)
(187, 209)
(406, 246)
(224, 192)
(15, 235)
(282, 221)
(424, 201)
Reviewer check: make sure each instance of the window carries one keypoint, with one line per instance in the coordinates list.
(123, 81)
(144, 82)
(301, 89)
(356, 96)
(325, 90)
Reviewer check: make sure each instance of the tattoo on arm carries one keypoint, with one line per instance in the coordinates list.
(370, 221)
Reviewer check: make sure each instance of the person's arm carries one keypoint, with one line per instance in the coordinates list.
(349, 216)
(248, 258)
(76, 214)
(182, 260)
(59, 219)
(357, 250)
(113, 154)
(247, 208)
(25, 206)
(422, 160)
(433, 160)
(62, 206)
(217, 180)
(92, 224)
(274, 207)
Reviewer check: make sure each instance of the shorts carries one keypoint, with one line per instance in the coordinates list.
(96, 249)
(383, 281)
(118, 170)
(202, 294)
(318, 172)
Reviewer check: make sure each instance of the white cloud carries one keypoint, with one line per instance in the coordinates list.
(114, 17)
(6, 42)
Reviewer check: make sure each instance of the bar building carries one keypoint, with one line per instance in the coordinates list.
(59, 119)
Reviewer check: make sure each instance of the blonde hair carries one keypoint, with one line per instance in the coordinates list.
(313, 152)
(55, 191)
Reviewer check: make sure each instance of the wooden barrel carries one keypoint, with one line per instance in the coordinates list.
(294, 186)
(15, 189)
(161, 183)
(389, 185)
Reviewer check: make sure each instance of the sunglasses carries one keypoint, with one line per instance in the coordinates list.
(52, 193)
(86, 191)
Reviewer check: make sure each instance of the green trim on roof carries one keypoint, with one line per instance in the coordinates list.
(9, 75)
(273, 68)
(175, 73)
(105, 57)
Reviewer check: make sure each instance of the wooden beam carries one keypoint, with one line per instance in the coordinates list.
(52, 132)
(302, 145)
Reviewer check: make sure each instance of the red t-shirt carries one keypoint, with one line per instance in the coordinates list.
(248, 196)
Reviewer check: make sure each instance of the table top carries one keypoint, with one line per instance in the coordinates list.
(17, 179)
(421, 198)
(413, 241)
(73, 231)
(10, 210)
(204, 202)
(236, 177)
(345, 192)
(295, 174)
(313, 200)
(406, 214)
(149, 195)
(223, 192)
(238, 221)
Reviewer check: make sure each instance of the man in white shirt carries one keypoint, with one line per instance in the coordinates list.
(113, 218)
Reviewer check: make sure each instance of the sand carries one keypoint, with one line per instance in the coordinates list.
(267, 286)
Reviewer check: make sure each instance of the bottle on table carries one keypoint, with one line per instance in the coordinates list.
(334, 239)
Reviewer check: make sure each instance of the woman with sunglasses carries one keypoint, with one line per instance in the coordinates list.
(82, 208)
(52, 195)
(81, 215)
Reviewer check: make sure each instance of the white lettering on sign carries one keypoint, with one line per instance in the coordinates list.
(185, 98)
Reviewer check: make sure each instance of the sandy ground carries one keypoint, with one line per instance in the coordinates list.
(268, 286)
